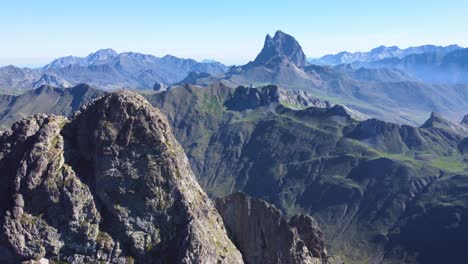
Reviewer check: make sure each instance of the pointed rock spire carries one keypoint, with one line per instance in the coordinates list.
(281, 47)
(465, 120)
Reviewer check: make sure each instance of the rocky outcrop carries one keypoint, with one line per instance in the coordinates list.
(310, 232)
(52, 80)
(111, 184)
(245, 98)
(159, 87)
(465, 120)
(463, 146)
(263, 235)
(436, 121)
(194, 77)
(281, 47)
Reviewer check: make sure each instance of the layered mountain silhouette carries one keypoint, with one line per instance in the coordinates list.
(385, 93)
(432, 67)
(428, 63)
(392, 84)
(380, 53)
(108, 69)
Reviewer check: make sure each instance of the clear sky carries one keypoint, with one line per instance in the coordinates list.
(32, 32)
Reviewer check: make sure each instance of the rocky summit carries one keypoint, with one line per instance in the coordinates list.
(110, 184)
(281, 47)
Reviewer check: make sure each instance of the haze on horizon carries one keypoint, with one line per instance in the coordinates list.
(35, 32)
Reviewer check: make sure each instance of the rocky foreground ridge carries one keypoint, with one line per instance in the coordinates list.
(263, 235)
(113, 185)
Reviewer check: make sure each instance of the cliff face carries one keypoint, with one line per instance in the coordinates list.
(111, 184)
(263, 235)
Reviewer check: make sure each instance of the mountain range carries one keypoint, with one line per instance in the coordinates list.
(385, 93)
(276, 161)
(428, 63)
(392, 84)
(380, 53)
(107, 69)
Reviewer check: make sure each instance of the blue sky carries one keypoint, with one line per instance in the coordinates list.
(34, 32)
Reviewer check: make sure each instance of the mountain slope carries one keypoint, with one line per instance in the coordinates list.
(46, 99)
(18, 78)
(365, 182)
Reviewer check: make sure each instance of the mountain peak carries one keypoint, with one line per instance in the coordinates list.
(101, 55)
(434, 119)
(105, 52)
(439, 122)
(281, 47)
(465, 120)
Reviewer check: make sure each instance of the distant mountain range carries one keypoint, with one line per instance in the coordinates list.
(398, 85)
(385, 93)
(108, 69)
(432, 64)
(432, 67)
(380, 53)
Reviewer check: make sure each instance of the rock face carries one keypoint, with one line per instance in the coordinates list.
(310, 232)
(263, 235)
(111, 184)
(52, 80)
(281, 46)
(438, 121)
(245, 98)
(159, 87)
(465, 120)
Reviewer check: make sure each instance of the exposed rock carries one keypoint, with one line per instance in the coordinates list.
(302, 99)
(436, 121)
(310, 232)
(342, 110)
(463, 146)
(159, 86)
(112, 184)
(465, 120)
(263, 235)
(281, 47)
(52, 80)
(245, 98)
(194, 77)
